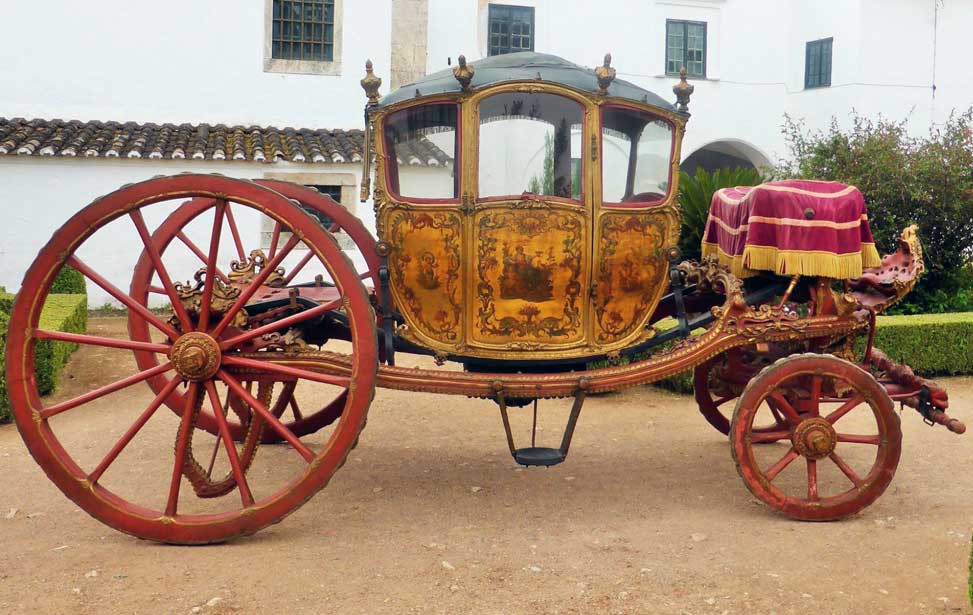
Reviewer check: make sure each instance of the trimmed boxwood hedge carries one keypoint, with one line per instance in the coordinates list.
(69, 281)
(62, 312)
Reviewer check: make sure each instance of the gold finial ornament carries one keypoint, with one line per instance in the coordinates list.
(683, 90)
(605, 74)
(463, 73)
(371, 83)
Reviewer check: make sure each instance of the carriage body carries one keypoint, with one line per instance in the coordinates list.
(527, 214)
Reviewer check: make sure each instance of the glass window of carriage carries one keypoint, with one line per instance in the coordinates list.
(636, 156)
(530, 143)
(421, 144)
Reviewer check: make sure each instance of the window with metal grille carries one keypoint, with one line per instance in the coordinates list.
(303, 30)
(817, 63)
(686, 46)
(511, 29)
(267, 232)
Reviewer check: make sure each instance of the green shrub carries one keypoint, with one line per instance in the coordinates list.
(69, 281)
(6, 303)
(61, 313)
(931, 344)
(905, 180)
(696, 194)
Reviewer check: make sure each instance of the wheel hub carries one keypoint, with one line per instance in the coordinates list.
(815, 438)
(196, 356)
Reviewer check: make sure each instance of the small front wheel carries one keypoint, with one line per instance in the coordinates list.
(839, 446)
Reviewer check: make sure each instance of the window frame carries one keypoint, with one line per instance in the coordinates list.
(388, 153)
(514, 8)
(672, 156)
(685, 46)
(819, 45)
(585, 153)
(306, 67)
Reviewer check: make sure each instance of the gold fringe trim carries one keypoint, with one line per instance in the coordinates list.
(796, 262)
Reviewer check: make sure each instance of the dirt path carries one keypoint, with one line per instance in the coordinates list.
(431, 515)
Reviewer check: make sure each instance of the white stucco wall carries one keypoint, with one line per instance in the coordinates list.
(882, 58)
(38, 195)
(177, 61)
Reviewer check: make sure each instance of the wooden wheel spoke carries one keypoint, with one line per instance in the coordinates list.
(777, 416)
(133, 430)
(255, 284)
(294, 372)
(844, 409)
(761, 437)
(125, 299)
(281, 324)
(267, 415)
(846, 470)
(859, 439)
(722, 400)
(235, 232)
(214, 248)
(812, 480)
(182, 444)
(238, 474)
(156, 258)
(298, 267)
(105, 390)
(94, 340)
(785, 407)
(782, 463)
(295, 409)
(274, 240)
(815, 400)
(199, 253)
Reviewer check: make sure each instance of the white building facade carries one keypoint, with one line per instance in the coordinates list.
(223, 65)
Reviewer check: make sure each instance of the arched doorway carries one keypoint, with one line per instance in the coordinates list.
(725, 153)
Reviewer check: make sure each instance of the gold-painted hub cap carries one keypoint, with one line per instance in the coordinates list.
(196, 356)
(815, 438)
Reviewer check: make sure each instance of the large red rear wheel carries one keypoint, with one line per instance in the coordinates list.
(839, 448)
(302, 416)
(114, 473)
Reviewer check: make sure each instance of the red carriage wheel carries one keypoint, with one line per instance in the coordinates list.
(719, 382)
(173, 231)
(199, 349)
(842, 447)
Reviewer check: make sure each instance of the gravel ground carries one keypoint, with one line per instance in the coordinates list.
(430, 515)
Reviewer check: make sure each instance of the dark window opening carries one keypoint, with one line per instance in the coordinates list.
(511, 29)
(334, 192)
(303, 30)
(817, 63)
(686, 47)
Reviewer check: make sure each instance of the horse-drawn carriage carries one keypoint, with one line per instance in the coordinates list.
(527, 220)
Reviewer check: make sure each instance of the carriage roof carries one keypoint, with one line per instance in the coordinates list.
(524, 66)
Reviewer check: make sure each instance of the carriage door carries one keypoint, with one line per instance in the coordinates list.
(530, 229)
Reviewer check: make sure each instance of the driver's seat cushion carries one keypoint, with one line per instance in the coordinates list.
(791, 227)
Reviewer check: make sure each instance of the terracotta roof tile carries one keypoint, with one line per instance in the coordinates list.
(95, 139)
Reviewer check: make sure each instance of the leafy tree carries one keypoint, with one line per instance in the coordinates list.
(927, 181)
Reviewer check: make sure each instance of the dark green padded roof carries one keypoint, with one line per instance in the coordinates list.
(524, 66)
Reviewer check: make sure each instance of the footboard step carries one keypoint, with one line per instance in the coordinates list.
(538, 456)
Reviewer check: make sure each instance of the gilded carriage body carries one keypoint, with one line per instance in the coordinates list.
(527, 213)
